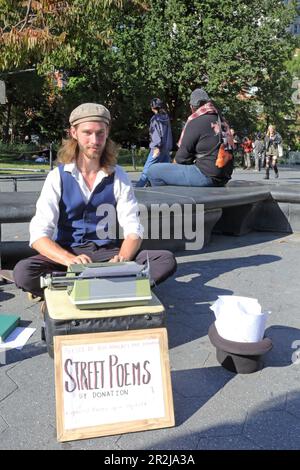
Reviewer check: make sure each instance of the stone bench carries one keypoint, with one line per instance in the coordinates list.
(15, 208)
(231, 205)
(17, 178)
(281, 213)
(236, 209)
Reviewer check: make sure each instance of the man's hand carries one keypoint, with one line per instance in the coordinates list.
(79, 259)
(128, 250)
(56, 253)
(117, 259)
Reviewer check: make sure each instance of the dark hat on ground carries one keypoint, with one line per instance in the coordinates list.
(198, 96)
(241, 358)
(87, 112)
(156, 103)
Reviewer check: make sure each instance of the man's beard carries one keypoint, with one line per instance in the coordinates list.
(91, 155)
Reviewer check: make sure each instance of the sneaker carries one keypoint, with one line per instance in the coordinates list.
(276, 175)
(34, 298)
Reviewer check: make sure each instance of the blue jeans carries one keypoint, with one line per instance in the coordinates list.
(162, 157)
(178, 175)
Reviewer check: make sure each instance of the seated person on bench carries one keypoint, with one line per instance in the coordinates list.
(76, 205)
(204, 157)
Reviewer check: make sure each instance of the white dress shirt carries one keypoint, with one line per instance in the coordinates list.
(44, 223)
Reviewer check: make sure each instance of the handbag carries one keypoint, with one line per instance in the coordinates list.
(223, 157)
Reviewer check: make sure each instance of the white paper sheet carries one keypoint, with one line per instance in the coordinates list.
(113, 270)
(239, 318)
(17, 338)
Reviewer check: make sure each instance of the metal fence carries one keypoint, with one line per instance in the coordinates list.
(293, 158)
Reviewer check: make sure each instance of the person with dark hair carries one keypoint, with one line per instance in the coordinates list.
(161, 141)
(75, 220)
(205, 155)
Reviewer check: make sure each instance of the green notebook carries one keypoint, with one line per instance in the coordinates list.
(7, 324)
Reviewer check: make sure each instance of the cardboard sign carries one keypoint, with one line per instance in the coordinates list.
(112, 383)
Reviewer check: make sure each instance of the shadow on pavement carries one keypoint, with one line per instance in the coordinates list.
(10, 356)
(286, 346)
(273, 425)
(221, 242)
(5, 295)
(187, 297)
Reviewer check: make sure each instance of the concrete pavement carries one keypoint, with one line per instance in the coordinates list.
(214, 408)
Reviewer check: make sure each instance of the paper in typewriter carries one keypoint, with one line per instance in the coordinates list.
(113, 270)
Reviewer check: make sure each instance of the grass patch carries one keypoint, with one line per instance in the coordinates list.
(130, 168)
(9, 159)
(20, 166)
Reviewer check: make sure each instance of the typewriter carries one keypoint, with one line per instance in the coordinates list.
(103, 285)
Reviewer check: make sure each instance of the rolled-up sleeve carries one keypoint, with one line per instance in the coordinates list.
(44, 223)
(127, 205)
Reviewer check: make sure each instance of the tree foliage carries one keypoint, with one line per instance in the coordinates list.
(31, 30)
(229, 47)
(122, 53)
(293, 65)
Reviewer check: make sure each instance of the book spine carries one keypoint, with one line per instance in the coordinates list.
(5, 334)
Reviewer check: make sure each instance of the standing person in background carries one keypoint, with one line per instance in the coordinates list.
(237, 147)
(259, 151)
(272, 141)
(236, 139)
(161, 141)
(247, 147)
(204, 157)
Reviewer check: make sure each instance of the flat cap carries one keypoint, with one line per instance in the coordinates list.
(89, 112)
(197, 96)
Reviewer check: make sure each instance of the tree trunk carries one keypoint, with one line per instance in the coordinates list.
(7, 123)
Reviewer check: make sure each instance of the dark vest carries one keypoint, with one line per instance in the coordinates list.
(78, 221)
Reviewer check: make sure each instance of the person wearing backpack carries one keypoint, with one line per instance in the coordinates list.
(204, 157)
(161, 140)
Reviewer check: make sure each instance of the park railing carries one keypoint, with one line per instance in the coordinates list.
(18, 163)
(293, 158)
(30, 156)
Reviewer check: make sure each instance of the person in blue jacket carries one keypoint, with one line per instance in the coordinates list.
(161, 141)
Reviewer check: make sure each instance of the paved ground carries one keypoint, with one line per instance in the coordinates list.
(214, 409)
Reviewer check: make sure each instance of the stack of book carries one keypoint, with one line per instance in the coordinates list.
(7, 324)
